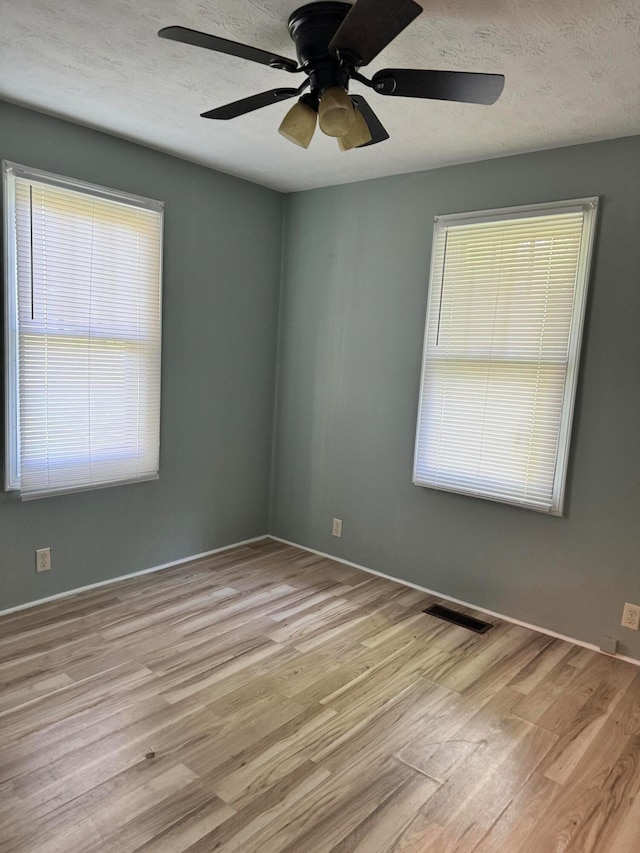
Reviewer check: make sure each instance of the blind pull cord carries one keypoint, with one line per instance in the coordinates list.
(31, 242)
(444, 265)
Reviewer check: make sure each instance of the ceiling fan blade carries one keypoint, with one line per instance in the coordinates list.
(232, 48)
(377, 131)
(247, 105)
(371, 25)
(439, 85)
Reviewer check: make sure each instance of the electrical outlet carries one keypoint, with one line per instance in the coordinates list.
(43, 559)
(337, 527)
(631, 616)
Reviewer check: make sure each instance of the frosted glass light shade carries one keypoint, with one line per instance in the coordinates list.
(335, 113)
(358, 135)
(299, 124)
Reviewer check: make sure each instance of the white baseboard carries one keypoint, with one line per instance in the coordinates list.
(369, 571)
(502, 616)
(170, 565)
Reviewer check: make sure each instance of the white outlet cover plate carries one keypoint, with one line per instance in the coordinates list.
(631, 616)
(43, 559)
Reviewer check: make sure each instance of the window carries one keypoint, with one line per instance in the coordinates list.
(504, 323)
(83, 293)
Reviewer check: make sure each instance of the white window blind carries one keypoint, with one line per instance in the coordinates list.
(83, 302)
(504, 324)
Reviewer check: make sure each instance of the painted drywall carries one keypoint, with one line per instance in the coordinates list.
(355, 276)
(222, 252)
(354, 292)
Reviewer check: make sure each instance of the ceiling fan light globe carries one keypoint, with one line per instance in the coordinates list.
(299, 124)
(358, 135)
(336, 114)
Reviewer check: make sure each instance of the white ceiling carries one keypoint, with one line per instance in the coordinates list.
(572, 72)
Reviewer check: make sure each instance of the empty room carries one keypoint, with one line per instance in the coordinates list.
(321, 426)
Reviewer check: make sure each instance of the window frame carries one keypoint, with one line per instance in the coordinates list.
(10, 171)
(589, 207)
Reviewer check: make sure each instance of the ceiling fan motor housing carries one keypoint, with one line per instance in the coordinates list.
(312, 27)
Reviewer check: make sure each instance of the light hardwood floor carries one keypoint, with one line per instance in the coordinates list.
(267, 699)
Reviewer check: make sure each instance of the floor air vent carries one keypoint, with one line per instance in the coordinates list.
(456, 618)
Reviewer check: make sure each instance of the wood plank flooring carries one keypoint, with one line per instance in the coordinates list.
(267, 699)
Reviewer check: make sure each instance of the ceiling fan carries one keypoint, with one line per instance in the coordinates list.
(333, 41)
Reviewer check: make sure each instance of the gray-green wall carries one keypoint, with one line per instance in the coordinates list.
(220, 309)
(355, 263)
(352, 319)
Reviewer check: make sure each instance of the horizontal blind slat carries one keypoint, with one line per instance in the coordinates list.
(89, 357)
(501, 309)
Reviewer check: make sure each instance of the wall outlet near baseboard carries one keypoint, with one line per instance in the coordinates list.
(43, 559)
(631, 616)
(337, 527)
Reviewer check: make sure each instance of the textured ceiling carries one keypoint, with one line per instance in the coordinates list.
(572, 70)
